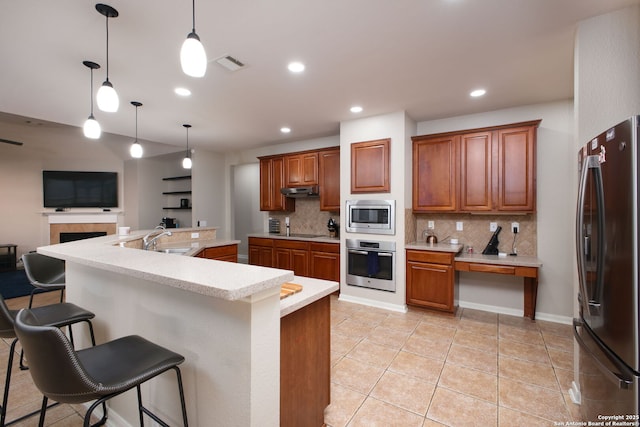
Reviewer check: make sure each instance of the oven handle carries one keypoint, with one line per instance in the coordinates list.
(383, 254)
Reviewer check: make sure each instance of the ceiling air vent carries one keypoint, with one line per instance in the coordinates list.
(230, 63)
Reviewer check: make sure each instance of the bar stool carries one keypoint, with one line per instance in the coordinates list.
(101, 372)
(44, 273)
(55, 315)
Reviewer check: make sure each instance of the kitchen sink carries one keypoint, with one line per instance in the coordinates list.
(307, 236)
(177, 251)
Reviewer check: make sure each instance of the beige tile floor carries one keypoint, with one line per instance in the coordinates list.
(417, 369)
(424, 368)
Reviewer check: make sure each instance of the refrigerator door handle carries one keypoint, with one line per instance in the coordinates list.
(620, 381)
(583, 242)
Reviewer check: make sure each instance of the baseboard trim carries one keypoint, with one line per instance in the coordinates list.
(516, 312)
(373, 303)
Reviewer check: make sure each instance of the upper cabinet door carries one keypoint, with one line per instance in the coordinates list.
(271, 181)
(435, 171)
(301, 169)
(476, 188)
(517, 169)
(329, 180)
(370, 166)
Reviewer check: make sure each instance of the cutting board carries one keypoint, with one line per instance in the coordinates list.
(288, 289)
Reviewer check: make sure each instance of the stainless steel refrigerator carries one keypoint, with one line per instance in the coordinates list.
(607, 255)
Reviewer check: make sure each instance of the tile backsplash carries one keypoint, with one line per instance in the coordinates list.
(475, 231)
(308, 218)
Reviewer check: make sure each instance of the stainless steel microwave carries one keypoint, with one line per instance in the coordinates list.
(371, 216)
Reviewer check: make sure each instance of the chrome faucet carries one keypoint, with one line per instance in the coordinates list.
(146, 242)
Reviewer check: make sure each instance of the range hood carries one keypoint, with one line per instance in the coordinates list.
(299, 192)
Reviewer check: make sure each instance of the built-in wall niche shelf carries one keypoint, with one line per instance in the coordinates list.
(177, 178)
(177, 186)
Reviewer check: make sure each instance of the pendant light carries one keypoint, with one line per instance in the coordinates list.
(91, 126)
(186, 162)
(136, 148)
(107, 97)
(193, 58)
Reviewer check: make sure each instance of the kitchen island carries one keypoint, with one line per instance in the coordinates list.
(223, 317)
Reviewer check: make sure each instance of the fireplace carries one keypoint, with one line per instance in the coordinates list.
(80, 226)
(73, 236)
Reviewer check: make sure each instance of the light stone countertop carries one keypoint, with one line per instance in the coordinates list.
(515, 261)
(437, 247)
(226, 280)
(312, 290)
(220, 279)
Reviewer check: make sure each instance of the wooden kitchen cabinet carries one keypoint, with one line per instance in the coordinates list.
(516, 168)
(319, 260)
(301, 169)
(272, 179)
(370, 166)
(430, 279)
(476, 179)
(292, 255)
(325, 261)
(221, 253)
(478, 170)
(329, 179)
(435, 173)
(261, 251)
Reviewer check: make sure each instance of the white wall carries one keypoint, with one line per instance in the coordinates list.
(607, 71)
(246, 217)
(46, 146)
(555, 210)
(399, 128)
(209, 185)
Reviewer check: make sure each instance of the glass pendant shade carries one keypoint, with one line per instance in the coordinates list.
(186, 162)
(91, 128)
(193, 58)
(107, 98)
(136, 150)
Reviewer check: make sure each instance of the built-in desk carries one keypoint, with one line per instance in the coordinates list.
(521, 266)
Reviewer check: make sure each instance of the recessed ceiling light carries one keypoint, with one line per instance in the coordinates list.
(296, 67)
(285, 129)
(478, 92)
(356, 109)
(182, 91)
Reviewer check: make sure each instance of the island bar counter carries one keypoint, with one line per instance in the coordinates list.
(224, 318)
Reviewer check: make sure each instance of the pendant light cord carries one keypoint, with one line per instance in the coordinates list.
(193, 9)
(91, 91)
(107, 24)
(136, 123)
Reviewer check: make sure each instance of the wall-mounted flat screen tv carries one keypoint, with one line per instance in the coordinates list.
(72, 189)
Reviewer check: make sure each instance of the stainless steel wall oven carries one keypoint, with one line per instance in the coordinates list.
(371, 264)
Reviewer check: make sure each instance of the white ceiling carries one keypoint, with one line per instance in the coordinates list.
(421, 56)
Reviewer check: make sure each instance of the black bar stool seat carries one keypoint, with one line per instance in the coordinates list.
(55, 315)
(101, 372)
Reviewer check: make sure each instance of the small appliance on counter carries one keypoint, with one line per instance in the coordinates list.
(274, 226)
(333, 228)
(431, 238)
(169, 222)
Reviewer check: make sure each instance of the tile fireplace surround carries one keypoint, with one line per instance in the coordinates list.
(63, 222)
